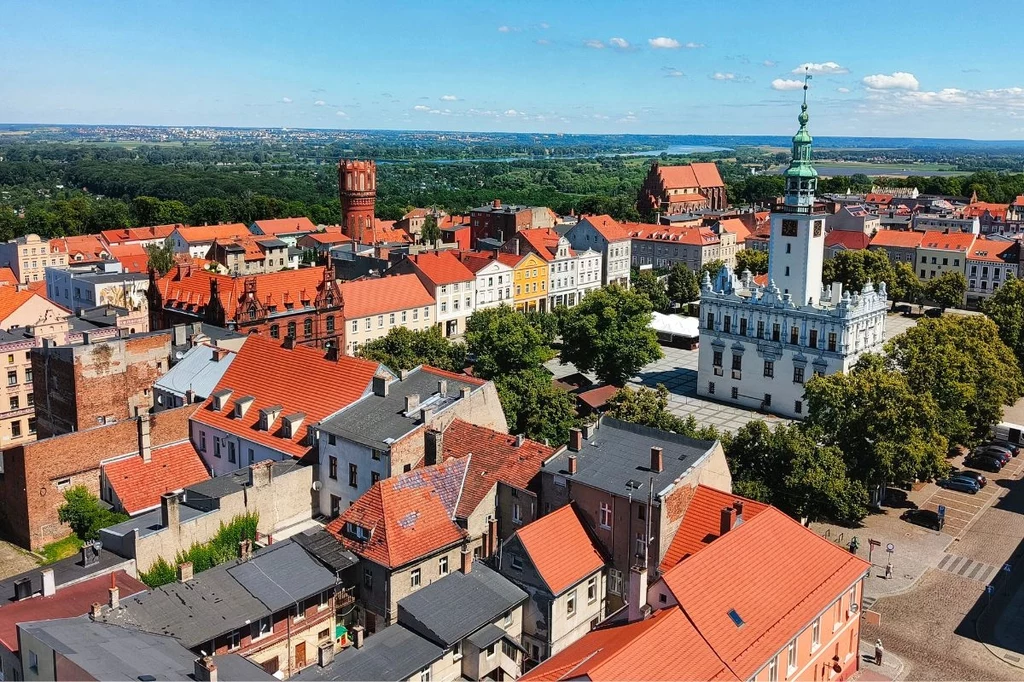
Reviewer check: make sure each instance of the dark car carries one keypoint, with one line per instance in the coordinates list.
(961, 483)
(923, 517)
(984, 463)
(1012, 447)
(997, 447)
(973, 475)
(994, 452)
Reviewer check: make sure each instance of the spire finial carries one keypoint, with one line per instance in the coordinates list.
(803, 117)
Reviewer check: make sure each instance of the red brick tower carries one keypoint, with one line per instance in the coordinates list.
(357, 188)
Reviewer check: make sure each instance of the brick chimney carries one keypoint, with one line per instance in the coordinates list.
(433, 447)
(572, 465)
(575, 440)
(657, 460)
(738, 506)
(467, 560)
(289, 342)
(95, 610)
(115, 595)
(205, 669)
(728, 520)
(358, 633)
(185, 571)
(380, 386)
(145, 444)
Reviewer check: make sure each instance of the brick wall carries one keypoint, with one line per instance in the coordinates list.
(31, 472)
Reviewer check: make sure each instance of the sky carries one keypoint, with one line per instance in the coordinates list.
(907, 69)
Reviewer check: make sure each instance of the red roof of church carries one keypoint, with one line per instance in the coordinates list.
(702, 175)
(139, 485)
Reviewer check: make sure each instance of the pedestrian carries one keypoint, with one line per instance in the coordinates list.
(878, 652)
(888, 571)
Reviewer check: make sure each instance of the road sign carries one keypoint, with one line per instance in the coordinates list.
(989, 589)
(942, 511)
(890, 548)
(1007, 568)
(874, 543)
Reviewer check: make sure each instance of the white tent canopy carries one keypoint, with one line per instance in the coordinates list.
(676, 325)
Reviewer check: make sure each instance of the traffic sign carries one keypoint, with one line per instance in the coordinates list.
(1007, 568)
(942, 511)
(890, 548)
(989, 589)
(874, 543)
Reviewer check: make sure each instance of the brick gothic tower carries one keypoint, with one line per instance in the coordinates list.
(357, 188)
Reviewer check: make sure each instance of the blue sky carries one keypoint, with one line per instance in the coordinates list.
(912, 68)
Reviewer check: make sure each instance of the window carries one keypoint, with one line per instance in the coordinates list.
(366, 324)
(263, 627)
(773, 670)
(592, 590)
(355, 325)
(14, 402)
(507, 649)
(735, 393)
(614, 581)
(457, 650)
(837, 614)
(716, 358)
(737, 362)
(367, 578)
(414, 578)
(231, 451)
(853, 601)
(33, 661)
(794, 335)
(380, 321)
(491, 649)
(330, 324)
(216, 446)
(507, 619)
(275, 331)
(442, 566)
(816, 634)
(832, 342)
(374, 477)
(760, 329)
(517, 514)
(727, 324)
(404, 315)
(769, 369)
(12, 378)
(391, 318)
(444, 306)
(517, 562)
(63, 484)
(641, 544)
(202, 441)
(31, 424)
(425, 674)
(798, 375)
(743, 326)
(791, 665)
(570, 604)
(787, 271)
(789, 248)
(234, 640)
(332, 468)
(710, 323)
(767, 399)
(604, 517)
(299, 611)
(711, 388)
(776, 331)
(325, 601)
(352, 476)
(813, 338)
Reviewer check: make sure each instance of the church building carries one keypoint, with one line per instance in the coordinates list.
(759, 345)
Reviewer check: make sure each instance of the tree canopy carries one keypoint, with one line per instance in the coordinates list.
(1006, 309)
(855, 268)
(947, 290)
(86, 515)
(647, 283)
(751, 259)
(504, 341)
(905, 286)
(404, 348)
(683, 284)
(430, 233)
(160, 257)
(649, 407)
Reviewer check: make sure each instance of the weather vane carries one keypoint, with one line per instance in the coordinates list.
(807, 77)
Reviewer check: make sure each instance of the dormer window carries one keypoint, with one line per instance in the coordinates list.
(356, 531)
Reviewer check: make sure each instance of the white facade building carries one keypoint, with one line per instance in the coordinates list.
(758, 346)
(611, 239)
(493, 282)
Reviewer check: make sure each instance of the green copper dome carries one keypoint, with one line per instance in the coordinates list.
(801, 178)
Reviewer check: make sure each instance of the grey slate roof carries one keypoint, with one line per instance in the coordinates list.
(65, 572)
(394, 653)
(486, 636)
(195, 371)
(149, 522)
(618, 452)
(454, 607)
(375, 422)
(326, 548)
(281, 575)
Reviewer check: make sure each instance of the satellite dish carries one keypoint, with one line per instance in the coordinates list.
(179, 355)
(97, 544)
(317, 485)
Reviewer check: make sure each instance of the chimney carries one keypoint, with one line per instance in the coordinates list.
(96, 610)
(497, 203)
(403, 374)
(325, 654)
(467, 560)
(520, 439)
(357, 636)
(115, 595)
(145, 445)
(575, 440)
(49, 583)
(412, 402)
(442, 388)
(572, 465)
(205, 670)
(738, 506)
(433, 447)
(178, 334)
(728, 521)
(169, 511)
(426, 414)
(190, 396)
(464, 392)
(86, 338)
(261, 473)
(380, 386)
(185, 571)
(89, 554)
(332, 354)
(245, 549)
(219, 354)
(657, 461)
(637, 593)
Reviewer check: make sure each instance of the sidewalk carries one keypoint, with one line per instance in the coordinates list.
(1001, 625)
(891, 669)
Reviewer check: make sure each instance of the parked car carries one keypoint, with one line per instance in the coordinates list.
(923, 517)
(1000, 447)
(993, 452)
(1014, 449)
(984, 463)
(961, 483)
(973, 475)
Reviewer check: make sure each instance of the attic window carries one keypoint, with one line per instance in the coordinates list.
(735, 618)
(356, 531)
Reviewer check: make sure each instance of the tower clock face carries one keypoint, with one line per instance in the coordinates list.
(789, 228)
(817, 228)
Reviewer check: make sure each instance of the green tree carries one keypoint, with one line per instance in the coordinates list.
(160, 257)
(683, 285)
(855, 268)
(110, 214)
(963, 363)
(404, 348)
(647, 283)
(751, 259)
(145, 211)
(534, 407)
(646, 406)
(209, 211)
(1006, 309)
(544, 322)
(712, 268)
(430, 233)
(947, 290)
(609, 333)
(85, 514)
(504, 342)
(905, 285)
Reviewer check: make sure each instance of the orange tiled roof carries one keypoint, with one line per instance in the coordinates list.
(207, 233)
(300, 380)
(495, 457)
(560, 549)
(776, 574)
(693, 236)
(328, 237)
(278, 226)
(251, 243)
(878, 199)
(1019, 201)
(132, 256)
(543, 241)
(596, 398)
(407, 516)
(847, 239)
(139, 485)
(88, 246)
(385, 232)
(476, 261)
(379, 295)
(989, 250)
(11, 299)
(978, 209)
(608, 227)
(687, 199)
(897, 238)
(702, 175)
(661, 648)
(417, 213)
(7, 277)
(736, 226)
(702, 521)
(952, 241)
(138, 234)
(441, 267)
(761, 280)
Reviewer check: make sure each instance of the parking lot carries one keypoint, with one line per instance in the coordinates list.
(962, 508)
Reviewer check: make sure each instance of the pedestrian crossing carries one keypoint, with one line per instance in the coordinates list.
(968, 568)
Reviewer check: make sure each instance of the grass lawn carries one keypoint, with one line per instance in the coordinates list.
(61, 549)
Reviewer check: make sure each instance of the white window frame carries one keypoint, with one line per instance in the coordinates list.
(570, 604)
(816, 634)
(442, 566)
(615, 581)
(592, 589)
(604, 518)
(415, 578)
(791, 659)
(257, 628)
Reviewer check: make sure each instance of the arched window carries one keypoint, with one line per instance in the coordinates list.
(291, 330)
(275, 331)
(307, 327)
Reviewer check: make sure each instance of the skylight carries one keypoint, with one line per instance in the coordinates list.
(735, 617)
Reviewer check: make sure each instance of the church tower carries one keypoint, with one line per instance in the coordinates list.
(797, 246)
(357, 189)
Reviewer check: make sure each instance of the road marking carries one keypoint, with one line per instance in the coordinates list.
(967, 568)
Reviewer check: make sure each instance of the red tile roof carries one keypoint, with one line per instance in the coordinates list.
(694, 236)
(952, 241)
(207, 233)
(607, 227)
(761, 280)
(702, 521)
(70, 601)
(132, 256)
(542, 241)
(661, 648)
(1019, 201)
(897, 238)
(84, 248)
(328, 237)
(847, 239)
(300, 380)
(596, 398)
(379, 295)
(687, 199)
(385, 232)
(11, 300)
(702, 175)
(493, 457)
(139, 485)
(878, 199)
(408, 516)
(7, 277)
(441, 267)
(776, 574)
(978, 209)
(278, 226)
(138, 234)
(560, 549)
(989, 250)
(737, 227)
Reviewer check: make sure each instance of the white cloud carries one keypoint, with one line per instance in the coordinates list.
(1003, 101)
(620, 43)
(674, 73)
(319, 103)
(663, 43)
(594, 44)
(421, 107)
(843, 90)
(286, 100)
(340, 113)
(542, 41)
(507, 29)
(512, 113)
(769, 63)
(899, 80)
(823, 69)
(786, 84)
(719, 76)
(449, 98)
(600, 117)
(545, 25)
(693, 46)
